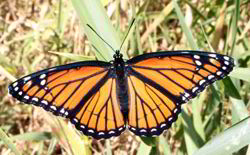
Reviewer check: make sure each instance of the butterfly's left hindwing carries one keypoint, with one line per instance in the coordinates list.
(84, 92)
(160, 82)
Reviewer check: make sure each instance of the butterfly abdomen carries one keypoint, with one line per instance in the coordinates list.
(122, 84)
(122, 94)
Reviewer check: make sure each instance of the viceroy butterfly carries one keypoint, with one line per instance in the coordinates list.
(143, 94)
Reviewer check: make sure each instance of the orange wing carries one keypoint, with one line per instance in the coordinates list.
(160, 82)
(84, 92)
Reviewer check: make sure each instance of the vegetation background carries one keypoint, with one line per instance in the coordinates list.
(37, 34)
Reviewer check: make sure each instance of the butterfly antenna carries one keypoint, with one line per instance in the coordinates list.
(99, 52)
(132, 23)
(100, 37)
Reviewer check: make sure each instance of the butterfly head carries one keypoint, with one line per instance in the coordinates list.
(117, 55)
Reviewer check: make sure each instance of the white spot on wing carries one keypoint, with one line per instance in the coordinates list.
(143, 130)
(26, 97)
(51, 69)
(111, 132)
(196, 56)
(90, 130)
(101, 133)
(219, 73)
(75, 120)
(43, 82)
(35, 99)
(210, 77)
(44, 102)
(212, 55)
(16, 89)
(20, 93)
(226, 62)
(163, 125)
(170, 119)
(133, 128)
(224, 68)
(186, 94)
(27, 78)
(53, 107)
(62, 111)
(185, 52)
(198, 62)
(194, 89)
(42, 76)
(15, 84)
(226, 58)
(202, 81)
(175, 110)
(82, 126)
(120, 129)
(153, 130)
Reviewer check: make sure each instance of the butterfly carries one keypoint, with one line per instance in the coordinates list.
(143, 94)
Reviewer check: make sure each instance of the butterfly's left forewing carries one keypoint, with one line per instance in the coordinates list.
(160, 82)
(84, 92)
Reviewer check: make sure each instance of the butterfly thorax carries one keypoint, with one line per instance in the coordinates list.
(122, 83)
(119, 63)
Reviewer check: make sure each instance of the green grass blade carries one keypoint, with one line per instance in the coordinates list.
(164, 145)
(239, 108)
(194, 135)
(4, 72)
(241, 73)
(230, 88)
(108, 147)
(33, 136)
(197, 119)
(192, 138)
(93, 13)
(234, 24)
(164, 13)
(40, 148)
(52, 146)
(229, 141)
(7, 141)
(184, 26)
(150, 141)
(75, 56)
(143, 149)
